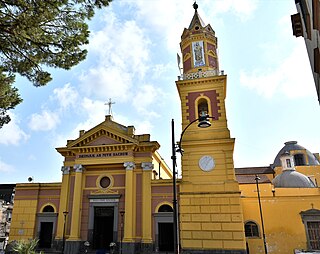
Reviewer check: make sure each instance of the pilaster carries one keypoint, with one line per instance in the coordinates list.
(146, 202)
(129, 230)
(64, 197)
(76, 206)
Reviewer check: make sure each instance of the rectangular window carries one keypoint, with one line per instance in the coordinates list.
(316, 14)
(296, 25)
(299, 160)
(314, 234)
(288, 163)
(306, 18)
(316, 54)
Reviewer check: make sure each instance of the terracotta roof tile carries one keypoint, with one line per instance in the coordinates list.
(246, 179)
(254, 170)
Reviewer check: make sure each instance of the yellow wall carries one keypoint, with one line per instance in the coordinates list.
(23, 219)
(281, 215)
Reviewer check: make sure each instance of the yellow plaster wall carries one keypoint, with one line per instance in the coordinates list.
(284, 229)
(211, 221)
(165, 171)
(23, 219)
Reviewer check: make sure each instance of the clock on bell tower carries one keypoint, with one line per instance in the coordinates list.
(209, 197)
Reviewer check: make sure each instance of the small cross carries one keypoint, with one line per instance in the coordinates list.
(109, 103)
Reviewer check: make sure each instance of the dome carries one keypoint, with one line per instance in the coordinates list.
(293, 145)
(292, 179)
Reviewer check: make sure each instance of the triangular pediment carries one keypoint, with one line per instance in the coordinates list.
(108, 137)
(101, 136)
(106, 133)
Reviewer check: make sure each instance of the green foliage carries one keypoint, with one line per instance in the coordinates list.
(25, 246)
(35, 34)
(9, 97)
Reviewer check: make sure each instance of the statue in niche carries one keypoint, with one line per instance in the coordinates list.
(198, 53)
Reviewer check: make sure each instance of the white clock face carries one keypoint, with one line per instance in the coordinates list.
(206, 163)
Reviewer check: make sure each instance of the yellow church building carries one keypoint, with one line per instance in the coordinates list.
(117, 195)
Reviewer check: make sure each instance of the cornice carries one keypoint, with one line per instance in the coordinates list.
(202, 81)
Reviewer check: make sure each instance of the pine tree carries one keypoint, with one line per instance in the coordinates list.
(35, 34)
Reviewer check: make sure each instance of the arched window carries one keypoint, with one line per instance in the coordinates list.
(251, 229)
(203, 107)
(299, 159)
(48, 209)
(165, 209)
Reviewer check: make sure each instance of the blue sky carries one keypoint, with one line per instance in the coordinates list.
(271, 95)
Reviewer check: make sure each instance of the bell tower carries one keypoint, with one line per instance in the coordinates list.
(211, 217)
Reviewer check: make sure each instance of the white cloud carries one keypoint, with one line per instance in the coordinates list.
(94, 110)
(107, 82)
(243, 9)
(6, 168)
(66, 96)
(292, 77)
(165, 17)
(144, 127)
(146, 97)
(122, 53)
(45, 121)
(11, 133)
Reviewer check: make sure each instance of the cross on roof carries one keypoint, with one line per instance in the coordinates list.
(109, 103)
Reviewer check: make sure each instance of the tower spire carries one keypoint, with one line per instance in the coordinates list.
(199, 49)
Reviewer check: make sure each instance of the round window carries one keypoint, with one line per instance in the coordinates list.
(105, 182)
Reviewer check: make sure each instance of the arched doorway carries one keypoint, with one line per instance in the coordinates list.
(164, 228)
(46, 225)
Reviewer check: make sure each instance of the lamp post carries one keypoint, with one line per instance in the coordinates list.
(121, 232)
(65, 213)
(203, 123)
(257, 178)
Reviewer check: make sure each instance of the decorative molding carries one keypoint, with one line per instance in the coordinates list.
(65, 170)
(78, 168)
(129, 165)
(200, 74)
(103, 191)
(147, 165)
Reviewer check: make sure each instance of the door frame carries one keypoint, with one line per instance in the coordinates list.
(103, 201)
(162, 217)
(47, 217)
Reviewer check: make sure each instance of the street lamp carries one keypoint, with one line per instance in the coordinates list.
(121, 232)
(257, 178)
(203, 123)
(65, 213)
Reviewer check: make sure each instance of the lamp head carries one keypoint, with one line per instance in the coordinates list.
(204, 121)
(180, 150)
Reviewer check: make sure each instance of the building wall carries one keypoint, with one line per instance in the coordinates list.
(284, 229)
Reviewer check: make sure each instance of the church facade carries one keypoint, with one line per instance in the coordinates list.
(117, 191)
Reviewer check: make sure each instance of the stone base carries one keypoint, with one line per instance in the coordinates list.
(146, 248)
(129, 248)
(72, 247)
(216, 251)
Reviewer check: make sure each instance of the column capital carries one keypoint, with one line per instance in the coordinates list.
(78, 168)
(147, 165)
(65, 170)
(129, 165)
